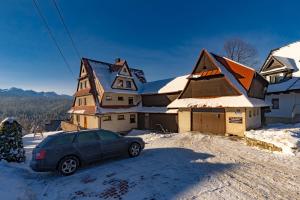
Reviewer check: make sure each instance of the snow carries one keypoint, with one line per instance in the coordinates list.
(172, 166)
(139, 109)
(226, 101)
(9, 120)
(106, 77)
(284, 86)
(284, 136)
(170, 85)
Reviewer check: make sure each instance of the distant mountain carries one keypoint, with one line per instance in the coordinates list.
(17, 92)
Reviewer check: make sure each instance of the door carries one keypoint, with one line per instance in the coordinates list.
(85, 122)
(112, 144)
(88, 146)
(209, 120)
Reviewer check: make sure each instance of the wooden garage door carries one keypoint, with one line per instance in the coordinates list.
(168, 121)
(209, 120)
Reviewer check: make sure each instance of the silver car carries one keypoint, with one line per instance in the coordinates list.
(67, 151)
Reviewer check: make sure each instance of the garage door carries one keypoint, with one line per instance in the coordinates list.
(209, 120)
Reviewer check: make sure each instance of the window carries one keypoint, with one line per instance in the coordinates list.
(120, 83)
(108, 98)
(128, 84)
(84, 101)
(58, 140)
(275, 103)
(132, 118)
(108, 135)
(130, 100)
(78, 119)
(85, 84)
(106, 118)
(64, 139)
(120, 98)
(80, 85)
(254, 112)
(121, 117)
(87, 137)
(250, 113)
(79, 102)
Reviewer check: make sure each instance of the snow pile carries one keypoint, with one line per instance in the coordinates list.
(9, 120)
(284, 136)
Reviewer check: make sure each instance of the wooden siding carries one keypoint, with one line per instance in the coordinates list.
(209, 121)
(210, 87)
(258, 87)
(151, 121)
(159, 99)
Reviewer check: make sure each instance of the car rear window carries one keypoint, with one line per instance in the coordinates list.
(57, 140)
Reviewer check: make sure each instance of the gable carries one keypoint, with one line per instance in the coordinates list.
(210, 87)
(125, 70)
(207, 80)
(272, 63)
(83, 71)
(205, 64)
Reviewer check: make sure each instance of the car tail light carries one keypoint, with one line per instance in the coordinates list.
(40, 155)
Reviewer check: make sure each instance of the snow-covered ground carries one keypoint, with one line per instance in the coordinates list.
(285, 136)
(172, 166)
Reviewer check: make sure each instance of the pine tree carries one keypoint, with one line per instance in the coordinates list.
(11, 144)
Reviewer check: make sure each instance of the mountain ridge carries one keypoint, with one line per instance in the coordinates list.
(18, 92)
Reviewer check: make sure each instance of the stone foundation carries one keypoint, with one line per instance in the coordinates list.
(262, 145)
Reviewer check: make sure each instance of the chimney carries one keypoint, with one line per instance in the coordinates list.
(117, 60)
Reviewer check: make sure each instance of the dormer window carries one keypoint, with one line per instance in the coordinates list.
(120, 83)
(124, 70)
(128, 84)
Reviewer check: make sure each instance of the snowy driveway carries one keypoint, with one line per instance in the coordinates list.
(178, 166)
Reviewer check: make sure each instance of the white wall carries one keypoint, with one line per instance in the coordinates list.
(286, 104)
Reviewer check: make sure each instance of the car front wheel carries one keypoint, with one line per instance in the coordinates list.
(68, 165)
(134, 149)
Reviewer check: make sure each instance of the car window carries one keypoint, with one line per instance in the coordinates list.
(57, 140)
(87, 137)
(108, 135)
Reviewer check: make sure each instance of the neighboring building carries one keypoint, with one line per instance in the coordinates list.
(221, 97)
(281, 69)
(156, 96)
(107, 95)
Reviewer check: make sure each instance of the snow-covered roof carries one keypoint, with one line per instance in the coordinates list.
(165, 86)
(289, 56)
(291, 84)
(139, 109)
(226, 101)
(106, 76)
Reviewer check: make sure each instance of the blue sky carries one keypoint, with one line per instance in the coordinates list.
(163, 38)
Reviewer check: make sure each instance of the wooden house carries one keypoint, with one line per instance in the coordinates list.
(107, 96)
(221, 97)
(156, 96)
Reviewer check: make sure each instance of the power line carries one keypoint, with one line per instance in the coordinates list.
(39, 11)
(66, 28)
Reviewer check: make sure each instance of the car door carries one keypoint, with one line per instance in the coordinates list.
(88, 146)
(112, 144)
